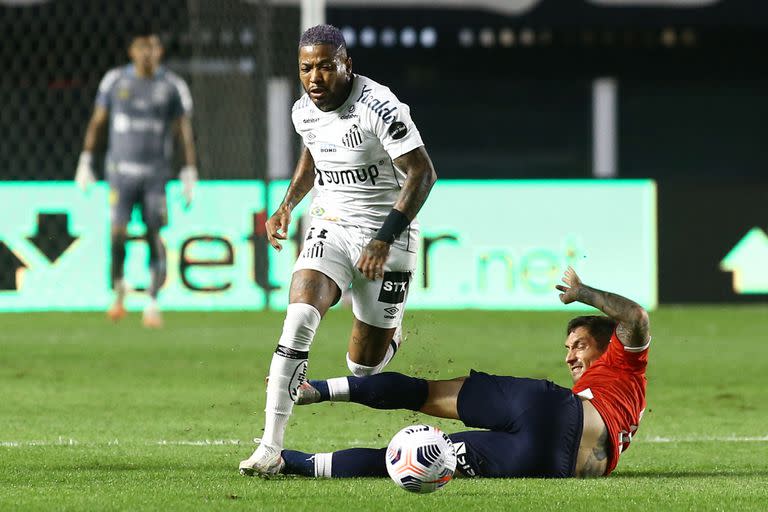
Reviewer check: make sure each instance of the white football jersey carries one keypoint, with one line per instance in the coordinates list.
(356, 180)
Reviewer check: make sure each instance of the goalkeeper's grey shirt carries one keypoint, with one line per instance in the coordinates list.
(141, 116)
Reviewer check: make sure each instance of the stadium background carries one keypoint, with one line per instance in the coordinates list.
(96, 416)
(505, 90)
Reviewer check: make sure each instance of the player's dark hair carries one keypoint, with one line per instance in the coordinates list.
(599, 327)
(323, 34)
(141, 30)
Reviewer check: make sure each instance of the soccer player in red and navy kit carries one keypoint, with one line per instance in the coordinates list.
(532, 427)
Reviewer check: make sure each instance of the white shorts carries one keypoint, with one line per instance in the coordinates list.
(334, 249)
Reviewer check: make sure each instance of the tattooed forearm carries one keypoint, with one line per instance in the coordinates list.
(418, 182)
(302, 182)
(632, 318)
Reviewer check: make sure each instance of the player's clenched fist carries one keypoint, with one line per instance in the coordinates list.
(371, 262)
(277, 227)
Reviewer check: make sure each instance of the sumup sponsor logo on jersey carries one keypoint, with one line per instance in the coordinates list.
(348, 176)
(376, 105)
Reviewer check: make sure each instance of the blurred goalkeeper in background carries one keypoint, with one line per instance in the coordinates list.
(144, 104)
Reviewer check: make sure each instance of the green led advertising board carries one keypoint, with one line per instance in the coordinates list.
(485, 245)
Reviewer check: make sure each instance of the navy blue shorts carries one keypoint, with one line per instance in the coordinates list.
(533, 428)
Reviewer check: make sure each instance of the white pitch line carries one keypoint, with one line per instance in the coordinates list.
(66, 441)
(704, 439)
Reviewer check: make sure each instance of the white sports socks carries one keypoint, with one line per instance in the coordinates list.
(323, 465)
(338, 389)
(288, 370)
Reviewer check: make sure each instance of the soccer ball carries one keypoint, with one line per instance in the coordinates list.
(421, 458)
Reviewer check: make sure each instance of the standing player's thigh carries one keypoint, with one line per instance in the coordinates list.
(154, 209)
(325, 250)
(381, 302)
(124, 194)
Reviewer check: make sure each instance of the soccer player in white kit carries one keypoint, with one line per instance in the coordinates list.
(365, 158)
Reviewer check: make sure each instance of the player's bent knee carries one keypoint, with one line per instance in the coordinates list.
(309, 286)
(301, 321)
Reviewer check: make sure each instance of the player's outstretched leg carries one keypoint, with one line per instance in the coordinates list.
(351, 463)
(286, 373)
(117, 311)
(387, 390)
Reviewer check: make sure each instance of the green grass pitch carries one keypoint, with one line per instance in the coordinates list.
(96, 416)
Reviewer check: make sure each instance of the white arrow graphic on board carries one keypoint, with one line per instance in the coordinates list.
(748, 260)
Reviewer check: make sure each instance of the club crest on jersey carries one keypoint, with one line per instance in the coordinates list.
(353, 137)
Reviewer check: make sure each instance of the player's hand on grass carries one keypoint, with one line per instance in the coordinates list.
(277, 227)
(371, 262)
(573, 284)
(188, 178)
(84, 176)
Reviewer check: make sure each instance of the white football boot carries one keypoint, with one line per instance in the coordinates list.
(265, 460)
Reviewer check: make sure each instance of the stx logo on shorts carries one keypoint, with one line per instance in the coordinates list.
(394, 287)
(353, 137)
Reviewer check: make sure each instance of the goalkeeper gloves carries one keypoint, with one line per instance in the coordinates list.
(84, 176)
(188, 178)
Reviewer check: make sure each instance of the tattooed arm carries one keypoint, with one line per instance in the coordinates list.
(302, 182)
(633, 325)
(420, 176)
